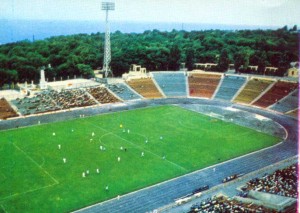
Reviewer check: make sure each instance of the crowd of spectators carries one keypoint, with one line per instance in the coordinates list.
(102, 95)
(40, 103)
(282, 182)
(6, 111)
(71, 98)
(224, 205)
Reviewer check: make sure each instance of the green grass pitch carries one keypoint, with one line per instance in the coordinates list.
(33, 176)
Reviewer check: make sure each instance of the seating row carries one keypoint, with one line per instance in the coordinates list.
(6, 111)
(102, 95)
(145, 87)
(229, 87)
(40, 103)
(277, 92)
(123, 91)
(203, 85)
(173, 84)
(253, 89)
(288, 103)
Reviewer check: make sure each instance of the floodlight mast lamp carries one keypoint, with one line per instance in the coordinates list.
(107, 51)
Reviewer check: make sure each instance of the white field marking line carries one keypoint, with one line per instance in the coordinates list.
(105, 144)
(23, 193)
(189, 174)
(286, 132)
(3, 208)
(139, 147)
(221, 185)
(56, 181)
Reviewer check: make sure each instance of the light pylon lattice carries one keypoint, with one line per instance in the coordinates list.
(107, 51)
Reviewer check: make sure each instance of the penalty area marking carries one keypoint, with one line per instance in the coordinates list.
(23, 193)
(36, 189)
(41, 168)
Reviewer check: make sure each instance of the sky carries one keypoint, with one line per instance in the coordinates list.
(229, 12)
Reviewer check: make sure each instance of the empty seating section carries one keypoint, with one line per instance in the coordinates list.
(122, 90)
(102, 95)
(173, 84)
(287, 104)
(229, 86)
(6, 111)
(40, 103)
(277, 92)
(145, 87)
(252, 90)
(203, 85)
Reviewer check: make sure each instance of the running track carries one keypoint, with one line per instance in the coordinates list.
(162, 194)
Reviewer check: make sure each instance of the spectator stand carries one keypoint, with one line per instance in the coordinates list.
(173, 84)
(229, 87)
(218, 87)
(40, 103)
(6, 111)
(240, 89)
(145, 87)
(277, 92)
(102, 95)
(255, 88)
(72, 98)
(123, 92)
(286, 104)
(282, 182)
(221, 203)
(203, 84)
(157, 86)
(264, 92)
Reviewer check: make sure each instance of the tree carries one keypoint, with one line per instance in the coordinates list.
(223, 61)
(174, 57)
(7, 76)
(85, 70)
(239, 61)
(189, 62)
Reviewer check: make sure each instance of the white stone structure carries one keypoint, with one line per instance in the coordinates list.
(43, 83)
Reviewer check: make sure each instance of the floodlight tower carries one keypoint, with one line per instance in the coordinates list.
(107, 51)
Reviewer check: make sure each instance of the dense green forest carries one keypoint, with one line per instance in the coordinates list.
(80, 54)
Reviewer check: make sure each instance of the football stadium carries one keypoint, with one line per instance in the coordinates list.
(184, 137)
(149, 143)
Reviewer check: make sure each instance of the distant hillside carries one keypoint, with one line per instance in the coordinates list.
(80, 54)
